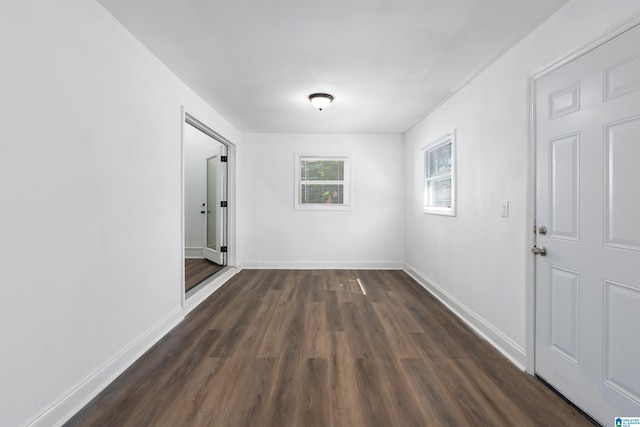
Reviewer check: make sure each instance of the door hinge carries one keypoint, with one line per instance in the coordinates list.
(223, 204)
(223, 249)
(223, 159)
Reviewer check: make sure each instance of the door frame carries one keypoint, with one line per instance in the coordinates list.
(186, 118)
(530, 239)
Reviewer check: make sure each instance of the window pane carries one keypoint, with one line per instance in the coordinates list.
(439, 168)
(334, 170)
(440, 161)
(333, 194)
(322, 194)
(440, 193)
(311, 194)
(322, 170)
(311, 170)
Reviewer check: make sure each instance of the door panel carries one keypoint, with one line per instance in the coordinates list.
(564, 187)
(622, 349)
(215, 213)
(622, 175)
(588, 197)
(213, 201)
(564, 320)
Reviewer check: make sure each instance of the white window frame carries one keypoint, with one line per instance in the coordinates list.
(449, 138)
(346, 205)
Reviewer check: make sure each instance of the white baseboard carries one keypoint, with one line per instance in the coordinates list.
(320, 265)
(68, 405)
(201, 292)
(502, 343)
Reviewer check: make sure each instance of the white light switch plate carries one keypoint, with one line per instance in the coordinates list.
(504, 209)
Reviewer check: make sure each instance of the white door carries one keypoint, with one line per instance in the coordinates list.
(588, 199)
(215, 210)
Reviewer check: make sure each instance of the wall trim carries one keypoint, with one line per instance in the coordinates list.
(69, 404)
(201, 292)
(187, 118)
(501, 342)
(613, 32)
(323, 265)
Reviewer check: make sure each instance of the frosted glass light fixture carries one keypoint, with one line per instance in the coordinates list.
(320, 100)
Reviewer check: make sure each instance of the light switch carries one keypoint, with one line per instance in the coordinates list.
(504, 209)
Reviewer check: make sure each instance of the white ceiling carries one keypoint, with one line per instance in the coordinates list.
(388, 63)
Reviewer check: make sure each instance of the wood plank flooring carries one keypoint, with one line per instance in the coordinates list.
(307, 348)
(198, 269)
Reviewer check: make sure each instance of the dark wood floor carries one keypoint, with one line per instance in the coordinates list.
(198, 269)
(307, 348)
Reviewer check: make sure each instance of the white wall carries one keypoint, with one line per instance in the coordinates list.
(277, 236)
(90, 206)
(477, 260)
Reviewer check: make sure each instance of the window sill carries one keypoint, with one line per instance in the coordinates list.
(324, 207)
(439, 211)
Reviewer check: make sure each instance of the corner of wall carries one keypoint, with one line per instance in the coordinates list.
(502, 343)
(69, 404)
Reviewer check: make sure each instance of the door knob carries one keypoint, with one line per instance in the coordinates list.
(542, 251)
(542, 230)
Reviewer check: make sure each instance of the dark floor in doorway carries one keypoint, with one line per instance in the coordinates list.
(198, 269)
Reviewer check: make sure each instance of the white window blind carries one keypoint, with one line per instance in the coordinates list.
(439, 191)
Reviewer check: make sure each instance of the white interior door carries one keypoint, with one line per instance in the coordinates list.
(215, 212)
(588, 199)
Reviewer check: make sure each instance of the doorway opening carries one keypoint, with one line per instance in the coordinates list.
(205, 203)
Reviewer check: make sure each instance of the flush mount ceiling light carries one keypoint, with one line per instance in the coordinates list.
(320, 100)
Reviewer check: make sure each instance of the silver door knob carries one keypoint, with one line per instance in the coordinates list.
(542, 251)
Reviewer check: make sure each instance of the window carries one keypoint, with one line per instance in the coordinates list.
(439, 182)
(322, 182)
